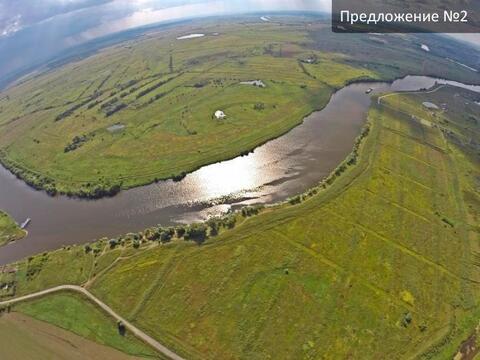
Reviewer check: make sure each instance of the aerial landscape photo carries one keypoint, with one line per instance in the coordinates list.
(213, 179)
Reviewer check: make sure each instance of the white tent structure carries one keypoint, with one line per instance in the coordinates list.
(219, 114)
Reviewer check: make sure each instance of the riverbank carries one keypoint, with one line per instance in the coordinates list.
(9, 229)
(280, 169)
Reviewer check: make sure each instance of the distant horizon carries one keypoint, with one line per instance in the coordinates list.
(97, 34)
(32, 32)
(42, 37)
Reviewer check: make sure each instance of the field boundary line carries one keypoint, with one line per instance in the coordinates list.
(135, 331)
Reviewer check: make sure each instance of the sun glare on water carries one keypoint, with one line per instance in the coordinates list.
(227, 178)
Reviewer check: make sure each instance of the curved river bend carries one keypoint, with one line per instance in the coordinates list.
(275, 171)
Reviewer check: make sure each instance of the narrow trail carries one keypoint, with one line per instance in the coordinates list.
(135, 331)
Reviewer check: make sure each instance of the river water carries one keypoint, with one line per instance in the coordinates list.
(275, 171)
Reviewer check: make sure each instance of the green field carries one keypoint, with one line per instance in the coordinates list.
(160, 95)
(73, 313)
(22, 337)
(379, 261)
(9, 229)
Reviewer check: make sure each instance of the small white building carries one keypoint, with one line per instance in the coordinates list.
(219, 114)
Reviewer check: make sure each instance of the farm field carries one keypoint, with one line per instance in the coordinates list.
(72, 313)
(143, 110)
(22, 337)
(379, 261)
(9, 229)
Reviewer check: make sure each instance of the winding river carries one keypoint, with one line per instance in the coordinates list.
(275, 171)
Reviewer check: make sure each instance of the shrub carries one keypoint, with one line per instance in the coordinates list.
(251, 210)
(113, 243)
(196, 232)
(259, 106)
(152, 234)
(407, 319)
(230, 222)
(180, 231)
(165, 236)
(214, 225)
(295, 200)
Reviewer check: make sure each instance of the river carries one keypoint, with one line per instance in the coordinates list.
(275, 171)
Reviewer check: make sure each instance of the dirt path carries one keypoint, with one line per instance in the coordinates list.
(135, 331)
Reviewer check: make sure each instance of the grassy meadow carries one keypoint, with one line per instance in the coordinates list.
(143, 110)
(379, 261)
(9, 229)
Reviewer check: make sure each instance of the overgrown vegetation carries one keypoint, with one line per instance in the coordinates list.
(374, 269)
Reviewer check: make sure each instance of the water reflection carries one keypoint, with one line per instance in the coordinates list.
(227, 178)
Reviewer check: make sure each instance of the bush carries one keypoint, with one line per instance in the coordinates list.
(214, 225)
(230, 222)
(180, 231)
(166, 236)
(295, 200)
(152, 234)
(251, 210)
(196, 232)
(113, 243)
(259, 106)
(407, 319)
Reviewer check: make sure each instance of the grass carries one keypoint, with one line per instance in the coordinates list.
(22, 337)
(9, 229)
(43, 269)
(74, 314)
(363, 268)
(54, 125)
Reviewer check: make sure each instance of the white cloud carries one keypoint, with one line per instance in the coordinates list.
(11, 26)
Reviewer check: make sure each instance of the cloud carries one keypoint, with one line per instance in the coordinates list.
(33, 31)
(11, 26)
(31, 12)
(131, 12)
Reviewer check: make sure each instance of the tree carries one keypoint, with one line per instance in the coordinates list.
(121, 328)
(180, 231)
(214, 226)
(196, 232)
(113, 243)
(230, 222)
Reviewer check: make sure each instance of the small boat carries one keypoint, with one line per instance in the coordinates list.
(25, 223)
(369, 91)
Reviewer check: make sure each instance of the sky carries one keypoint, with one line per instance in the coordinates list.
(32, 31)
(16, 15)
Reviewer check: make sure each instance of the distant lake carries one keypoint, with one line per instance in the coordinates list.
(191, 36)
